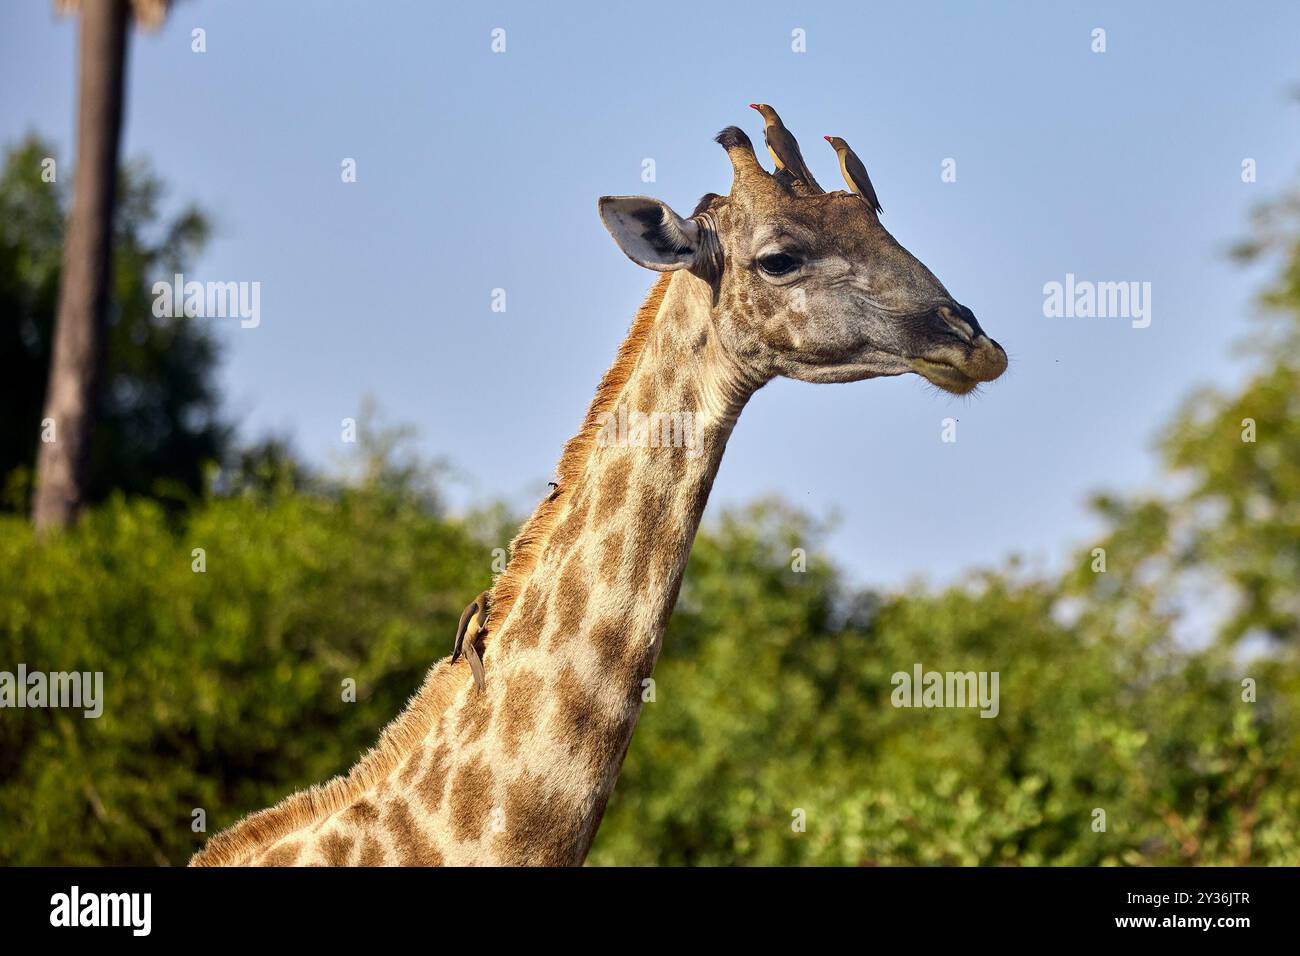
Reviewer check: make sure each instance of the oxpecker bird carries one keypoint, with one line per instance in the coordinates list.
(855, 174)
(784, 147)
(473, 624)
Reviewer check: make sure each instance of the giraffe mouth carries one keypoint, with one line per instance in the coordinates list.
(959, 367)
(948, 377)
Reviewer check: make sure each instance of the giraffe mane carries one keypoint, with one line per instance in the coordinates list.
(527, 544)
(444, 680)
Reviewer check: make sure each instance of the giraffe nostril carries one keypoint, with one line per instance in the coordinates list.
(954, 320)
(962, 321)
(973, 322)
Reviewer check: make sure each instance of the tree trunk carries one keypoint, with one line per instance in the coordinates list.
(76, 368)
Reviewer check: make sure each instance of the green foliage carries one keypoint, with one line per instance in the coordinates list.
(769, 702)
(159, 420)
(223, 689)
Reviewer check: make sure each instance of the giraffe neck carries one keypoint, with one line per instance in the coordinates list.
(569, 666)
(520, 771)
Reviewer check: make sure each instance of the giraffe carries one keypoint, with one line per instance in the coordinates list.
(775, 278)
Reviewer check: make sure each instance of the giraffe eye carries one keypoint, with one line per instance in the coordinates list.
(778, 264)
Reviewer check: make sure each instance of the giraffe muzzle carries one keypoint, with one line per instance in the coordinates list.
(963, 355)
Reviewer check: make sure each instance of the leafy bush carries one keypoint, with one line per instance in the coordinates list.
(769, 701)
(223, 689)
(223, 692)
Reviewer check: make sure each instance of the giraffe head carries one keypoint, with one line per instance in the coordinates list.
(808, 284)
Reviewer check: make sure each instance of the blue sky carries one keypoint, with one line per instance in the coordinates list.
(479, 171)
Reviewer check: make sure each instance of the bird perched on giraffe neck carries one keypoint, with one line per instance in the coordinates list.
(784, 148)
(854, 173)
(472, 626)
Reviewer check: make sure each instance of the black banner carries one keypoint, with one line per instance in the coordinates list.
(125, 906)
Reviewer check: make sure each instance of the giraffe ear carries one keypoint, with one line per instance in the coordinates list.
(650, 233)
